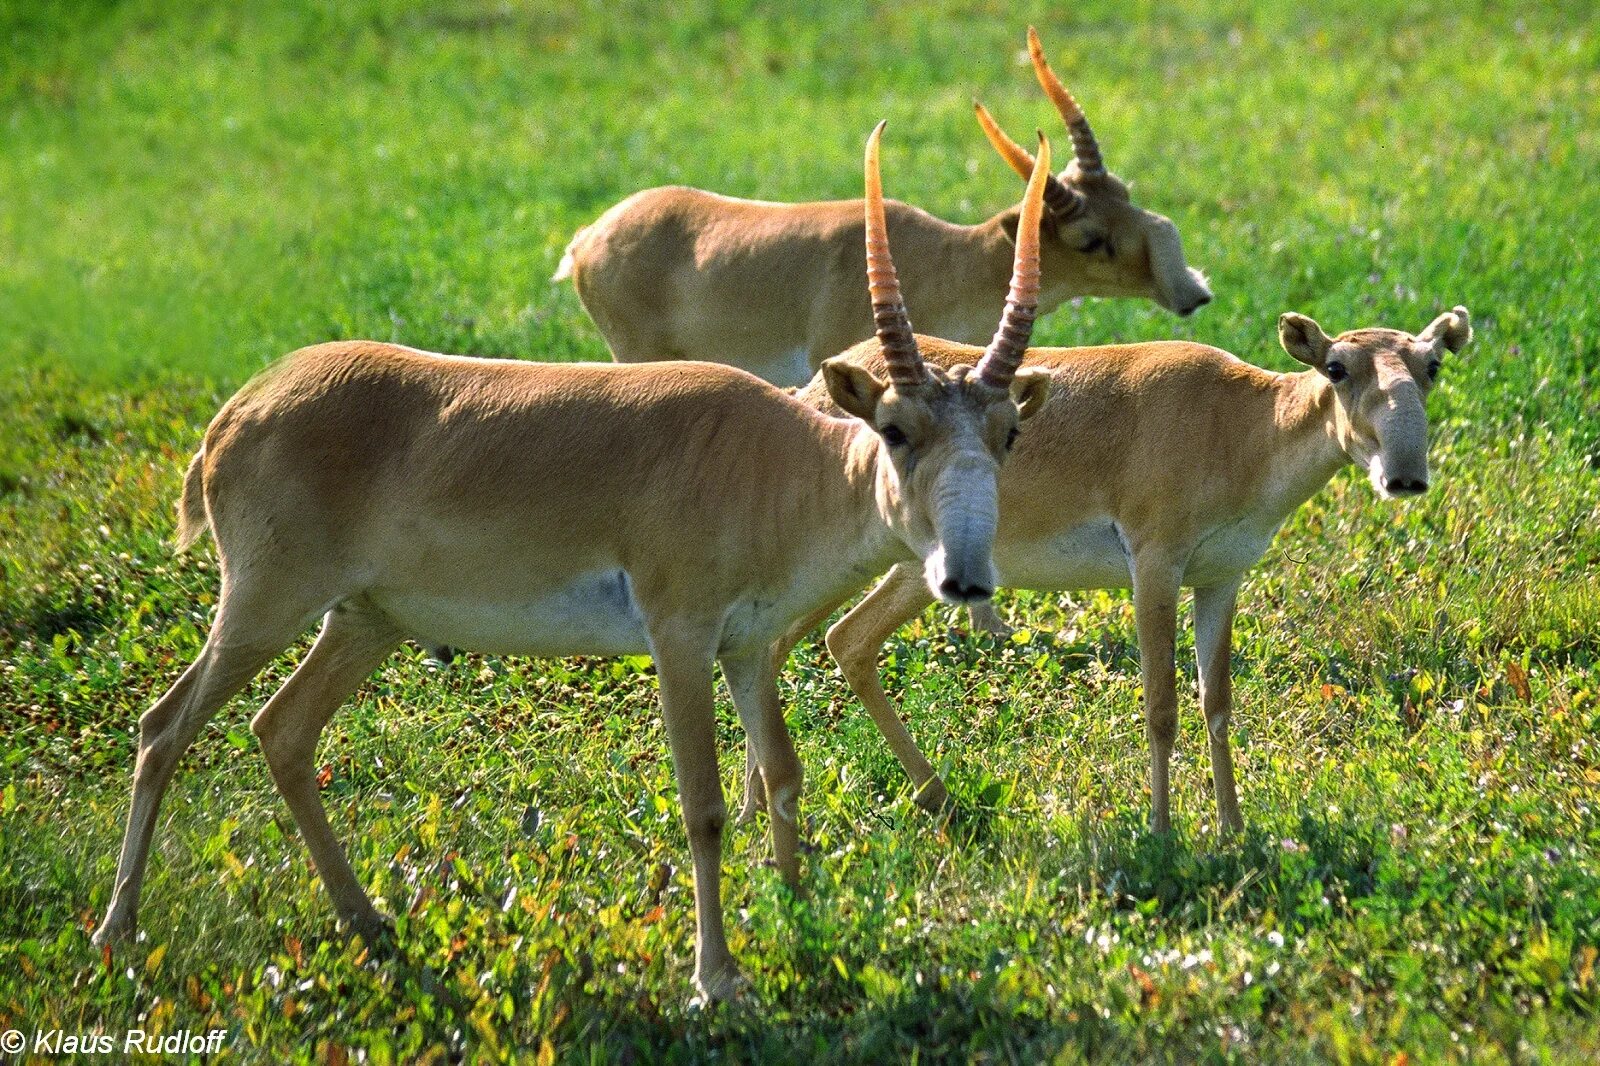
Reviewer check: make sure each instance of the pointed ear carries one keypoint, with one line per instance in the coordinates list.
(1009, 220)
(854, 388)
(1048, 226)
(1453, 329)
(1302, 338)
(1030, 388)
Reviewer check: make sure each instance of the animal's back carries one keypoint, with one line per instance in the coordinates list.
(1123, 433)
(1164, 389)
(1128, 428)
(680, 273)
(386, 453)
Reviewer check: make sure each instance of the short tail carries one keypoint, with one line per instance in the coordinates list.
(192, 520)
(564, 268)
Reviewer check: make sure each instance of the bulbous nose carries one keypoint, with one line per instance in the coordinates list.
(955, 590)
(1405, 486)
(1185, 312)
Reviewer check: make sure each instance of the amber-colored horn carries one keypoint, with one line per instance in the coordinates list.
(1010, 343)
(1084, 147)
(1063, 202)
(888, 307)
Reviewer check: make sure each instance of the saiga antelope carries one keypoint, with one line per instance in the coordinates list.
(677, 273)
(690, 511)
(1167, 466)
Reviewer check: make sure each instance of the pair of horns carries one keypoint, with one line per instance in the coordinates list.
(1064, 202)
(1004, 354)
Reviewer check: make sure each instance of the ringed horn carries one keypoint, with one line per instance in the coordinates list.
(1005, 352)
(1064, 202)
(1084, 147)
(900, 352)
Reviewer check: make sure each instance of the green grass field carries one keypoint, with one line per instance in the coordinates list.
(189, 190)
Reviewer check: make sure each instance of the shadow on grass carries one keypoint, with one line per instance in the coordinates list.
(1193, 882)
(53, 613)
(932, 1025)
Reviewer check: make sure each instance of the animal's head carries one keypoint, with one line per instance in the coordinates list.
(1096, 241)
(941, 437)
(1381, 379)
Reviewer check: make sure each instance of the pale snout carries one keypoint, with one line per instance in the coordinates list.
(967, 580)
(960, 569)
(1180, 288)
(1195, 295)
(1399, 480)
(1403, 485)
(1399, 468)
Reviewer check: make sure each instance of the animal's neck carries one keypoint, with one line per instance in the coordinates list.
(956, 282)
(1306, 448)
(999, 247)
(996, 236)
(846, 507)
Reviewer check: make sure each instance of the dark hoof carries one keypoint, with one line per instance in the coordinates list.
(112, 933)
(376, 932)
(934, 798)
(724, 984)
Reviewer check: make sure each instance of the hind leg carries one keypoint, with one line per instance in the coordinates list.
(249, 632)
(353, 643)
(627, 349)
(753, 682)
(1156, 586)
(632, 338)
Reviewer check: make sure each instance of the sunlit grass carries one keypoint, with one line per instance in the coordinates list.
(189, 190)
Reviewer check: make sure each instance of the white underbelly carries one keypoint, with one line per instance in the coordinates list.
(1094, 556)
(594, 614)
(1226, 553)
(1088, 556)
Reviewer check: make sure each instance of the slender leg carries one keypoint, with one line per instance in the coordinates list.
(855, 641)
(249, 632)
(683, 664)
(1155, 610)
(755, 695)
(755, 793)
(1213, 643)
(353, 642)
(985, 617)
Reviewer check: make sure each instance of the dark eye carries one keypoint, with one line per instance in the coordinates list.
(1011, 439)
(1335, 371)
(1433, 368)
(1097, 244)
(893, 435)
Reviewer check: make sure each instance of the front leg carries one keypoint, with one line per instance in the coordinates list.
(855, 641)
(682, 653)
(1155, 612)
(1213, 645)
